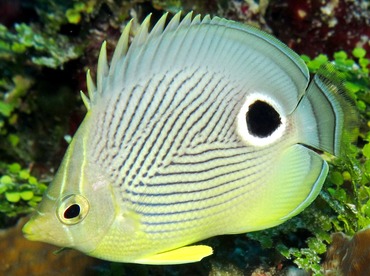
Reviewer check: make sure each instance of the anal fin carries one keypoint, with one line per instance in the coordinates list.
(182, 255)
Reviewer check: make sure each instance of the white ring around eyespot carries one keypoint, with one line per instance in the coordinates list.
(242, 127)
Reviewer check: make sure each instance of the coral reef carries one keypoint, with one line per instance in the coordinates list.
(315, 27)
(348, 256)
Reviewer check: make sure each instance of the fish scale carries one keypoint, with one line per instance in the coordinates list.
(171, 150)
(147, 144)
(151, 142)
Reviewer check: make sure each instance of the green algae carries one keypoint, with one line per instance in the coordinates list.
(20, 192)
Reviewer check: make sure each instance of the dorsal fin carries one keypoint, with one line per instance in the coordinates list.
(196, 20)
(142, 34)
(159, 27)
(121, 48)
(174, 23)
(85, 100)
(206, 19)
(194, 42)
(91, 89)
(186, 20)
(102, 71)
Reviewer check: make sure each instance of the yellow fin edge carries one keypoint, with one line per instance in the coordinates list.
(85, 100)
(183, 255)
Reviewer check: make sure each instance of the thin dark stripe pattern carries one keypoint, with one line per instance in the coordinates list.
(169, 143)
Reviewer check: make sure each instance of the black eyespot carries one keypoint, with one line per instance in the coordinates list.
(262, 119)
(72, 211)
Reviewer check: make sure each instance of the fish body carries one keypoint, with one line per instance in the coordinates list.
(202, 128)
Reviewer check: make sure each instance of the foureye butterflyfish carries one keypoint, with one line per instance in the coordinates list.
(198, 128)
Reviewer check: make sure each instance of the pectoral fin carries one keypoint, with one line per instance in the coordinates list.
(182, 255)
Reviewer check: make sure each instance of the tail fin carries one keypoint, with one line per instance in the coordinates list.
(326, 116)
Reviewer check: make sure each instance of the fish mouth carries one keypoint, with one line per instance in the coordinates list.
(33, 230)
(29, 231)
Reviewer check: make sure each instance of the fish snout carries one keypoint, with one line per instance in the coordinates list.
(30, 230)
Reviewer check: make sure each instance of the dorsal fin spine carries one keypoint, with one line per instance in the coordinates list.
(121, 49)
(91, 89)
(140, 38)
(206, 19)
(142, 35)
(118, 66)
(196, 20)
(85, 100)
(102, 71)
(174, 23)
(158, 28)
(186, 21)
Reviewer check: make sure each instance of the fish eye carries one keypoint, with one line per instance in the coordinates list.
(260, 121)
(72, 209)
